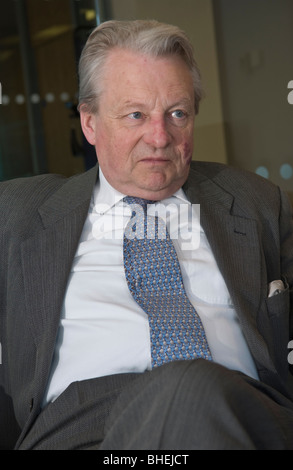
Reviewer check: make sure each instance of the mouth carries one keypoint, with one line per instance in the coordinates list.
(154, 160)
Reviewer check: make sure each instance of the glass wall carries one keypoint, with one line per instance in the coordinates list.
(40, 42)
(255, 49)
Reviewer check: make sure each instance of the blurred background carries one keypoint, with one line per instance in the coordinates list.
(244, 49)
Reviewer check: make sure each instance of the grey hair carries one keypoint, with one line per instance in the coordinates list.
(147, 37)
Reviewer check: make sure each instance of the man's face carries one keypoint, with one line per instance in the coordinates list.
(143, 130)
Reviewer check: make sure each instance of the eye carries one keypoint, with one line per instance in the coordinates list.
(178, 114)
(136, 115)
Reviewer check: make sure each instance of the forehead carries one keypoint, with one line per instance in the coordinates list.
(132, 73)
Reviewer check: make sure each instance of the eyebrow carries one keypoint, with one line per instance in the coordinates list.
(131, 104)
(139, 105)
(183, 102)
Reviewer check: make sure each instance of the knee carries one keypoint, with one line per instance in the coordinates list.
(202, 381)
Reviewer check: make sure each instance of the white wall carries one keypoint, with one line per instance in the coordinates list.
(256, 58)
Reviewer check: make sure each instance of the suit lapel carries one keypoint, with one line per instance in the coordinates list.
(234, 240)
(46, 263)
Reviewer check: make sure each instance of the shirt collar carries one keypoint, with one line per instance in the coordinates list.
(104, 194)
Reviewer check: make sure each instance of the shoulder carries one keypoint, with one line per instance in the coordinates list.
(24, 200)
(255, 195)
(221, 171)
(25, 188)
(235, 180)
(21, 198)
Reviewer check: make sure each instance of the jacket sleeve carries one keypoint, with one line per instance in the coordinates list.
(286, 244)
(9, 429)
(19, 217)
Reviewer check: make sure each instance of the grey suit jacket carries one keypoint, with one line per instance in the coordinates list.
(248, 223)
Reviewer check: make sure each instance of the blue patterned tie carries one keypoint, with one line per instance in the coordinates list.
(154, 279)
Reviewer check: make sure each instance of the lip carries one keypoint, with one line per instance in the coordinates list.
(156, 161)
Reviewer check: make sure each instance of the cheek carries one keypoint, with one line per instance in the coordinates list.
(187, 153)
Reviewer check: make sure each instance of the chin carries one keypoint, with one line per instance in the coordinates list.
(155, 180)
(160, 181)
(158, 192)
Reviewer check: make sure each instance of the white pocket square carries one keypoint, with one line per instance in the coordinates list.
(276, 287)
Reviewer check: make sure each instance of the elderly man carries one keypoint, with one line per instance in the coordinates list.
(115, 336)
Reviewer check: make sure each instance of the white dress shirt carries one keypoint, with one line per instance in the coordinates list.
(103, 331)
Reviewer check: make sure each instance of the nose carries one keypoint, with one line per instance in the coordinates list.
(156, 133)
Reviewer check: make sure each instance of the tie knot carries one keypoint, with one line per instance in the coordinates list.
(138, 200)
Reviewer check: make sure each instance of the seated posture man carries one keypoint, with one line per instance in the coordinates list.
(145, 304)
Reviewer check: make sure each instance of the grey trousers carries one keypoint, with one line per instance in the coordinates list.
(185, 405)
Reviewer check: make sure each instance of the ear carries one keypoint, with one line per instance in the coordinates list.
(87, 121)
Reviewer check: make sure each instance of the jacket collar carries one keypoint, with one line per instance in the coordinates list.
(75, 192)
